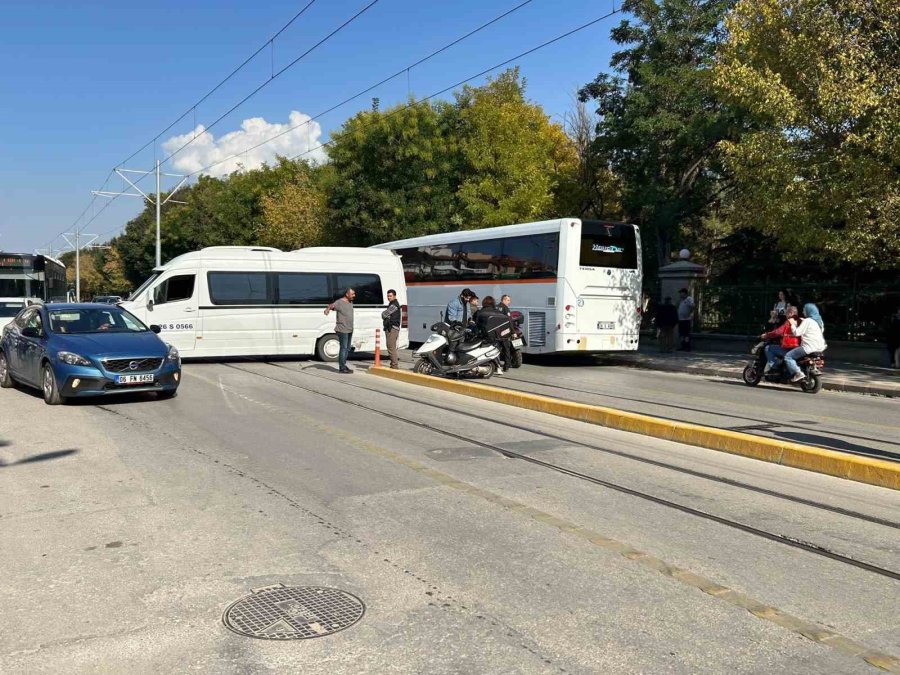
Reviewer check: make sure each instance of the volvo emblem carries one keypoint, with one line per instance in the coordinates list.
(133, 365)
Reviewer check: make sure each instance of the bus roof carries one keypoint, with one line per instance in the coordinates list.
(476, 235)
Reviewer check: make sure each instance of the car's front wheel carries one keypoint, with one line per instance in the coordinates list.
(6, 380)
(49, 387)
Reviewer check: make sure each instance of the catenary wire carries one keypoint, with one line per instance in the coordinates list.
(402, 71)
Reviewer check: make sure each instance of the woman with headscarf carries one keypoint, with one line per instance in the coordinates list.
(811, 332)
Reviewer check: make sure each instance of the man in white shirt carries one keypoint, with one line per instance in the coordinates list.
(685, 319)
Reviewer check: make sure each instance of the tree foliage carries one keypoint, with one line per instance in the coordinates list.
(822, 80)
(660, 119)
(514, 158)
(395, 175)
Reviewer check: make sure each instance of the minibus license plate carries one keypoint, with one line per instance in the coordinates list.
(134, 379)
(517, 343)
(605, 325)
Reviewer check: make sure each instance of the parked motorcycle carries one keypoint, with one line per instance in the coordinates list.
(810, 365)
(448, 352)
(518, 338)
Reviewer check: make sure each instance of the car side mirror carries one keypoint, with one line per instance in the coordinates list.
(31, 332)
(150, 304)
(156, 329)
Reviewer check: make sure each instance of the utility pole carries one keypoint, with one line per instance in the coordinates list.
(159, 201)
(76, 244)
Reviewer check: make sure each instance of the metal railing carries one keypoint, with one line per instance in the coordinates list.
(851, 312)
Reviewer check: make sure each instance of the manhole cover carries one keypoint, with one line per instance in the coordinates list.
(286, 613)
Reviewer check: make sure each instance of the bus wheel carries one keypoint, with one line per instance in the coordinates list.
(328, 348)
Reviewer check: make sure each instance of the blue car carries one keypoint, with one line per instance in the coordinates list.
(74, 350)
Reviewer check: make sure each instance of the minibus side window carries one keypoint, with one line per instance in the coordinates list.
(173, 289)
(303, 288)
(241, 288)
(367, 287)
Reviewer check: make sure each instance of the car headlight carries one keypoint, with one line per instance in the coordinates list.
(73, 359)
(173, 354)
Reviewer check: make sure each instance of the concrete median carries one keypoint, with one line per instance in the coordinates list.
(853, 467)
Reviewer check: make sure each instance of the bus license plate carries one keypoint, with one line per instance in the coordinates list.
(517, 343)
(134, 379)
(605, 325)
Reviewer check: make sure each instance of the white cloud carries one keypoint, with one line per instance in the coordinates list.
(299, 136)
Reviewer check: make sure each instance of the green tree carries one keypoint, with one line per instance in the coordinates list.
(294, 213)
(661, 121)
(92, 282)
(395, 175)
(515, 160)
(822, 80)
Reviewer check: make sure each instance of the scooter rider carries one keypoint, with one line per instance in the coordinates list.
(812, 333)
(787, 341)
(457, 311)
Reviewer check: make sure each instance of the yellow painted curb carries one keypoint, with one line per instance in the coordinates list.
(862, 469)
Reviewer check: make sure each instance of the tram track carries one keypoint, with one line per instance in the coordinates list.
(749, 529)
(621, 453)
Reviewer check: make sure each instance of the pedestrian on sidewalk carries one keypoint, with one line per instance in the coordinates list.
(893, 339)
(666, 322)
(685, 319)
(391, 317)
(343, 326)
(778, 315)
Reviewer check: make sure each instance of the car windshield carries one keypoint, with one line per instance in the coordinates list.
(10, 309)
(83, 320)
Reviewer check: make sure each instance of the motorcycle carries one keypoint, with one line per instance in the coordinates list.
(448, 352)
(518, 338)
(810, 365)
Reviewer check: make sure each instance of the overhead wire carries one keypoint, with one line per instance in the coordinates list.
(444, 90)
(482, 73)
(235, 71)
(402, 71)
(365, 91)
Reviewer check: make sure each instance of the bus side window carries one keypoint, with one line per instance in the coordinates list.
(173, 289)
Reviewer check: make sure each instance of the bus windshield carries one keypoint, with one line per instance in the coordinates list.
(608, 245)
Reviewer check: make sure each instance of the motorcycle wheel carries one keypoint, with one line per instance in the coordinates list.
(491, 369)
(424, 367)
(752, 374)
(516, 358)
(812, 384)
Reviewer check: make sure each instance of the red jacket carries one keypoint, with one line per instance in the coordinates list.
(788, 341)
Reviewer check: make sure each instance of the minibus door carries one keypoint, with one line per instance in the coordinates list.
(172, 305)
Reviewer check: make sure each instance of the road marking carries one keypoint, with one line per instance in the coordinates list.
(807, 629)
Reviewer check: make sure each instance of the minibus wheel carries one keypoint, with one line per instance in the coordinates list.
(328, 348)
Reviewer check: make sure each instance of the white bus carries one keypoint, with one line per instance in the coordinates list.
(577, 282)
(246, 301)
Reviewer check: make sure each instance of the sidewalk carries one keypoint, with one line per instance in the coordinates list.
(838, 376)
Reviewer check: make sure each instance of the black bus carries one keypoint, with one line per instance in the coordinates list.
(32, 276)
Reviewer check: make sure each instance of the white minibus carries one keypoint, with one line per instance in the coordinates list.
(577, 282)
(255, 301)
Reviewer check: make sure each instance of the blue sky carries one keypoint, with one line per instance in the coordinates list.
(85, 84)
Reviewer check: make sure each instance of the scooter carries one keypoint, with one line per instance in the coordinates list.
(446, 352)
(810, 365)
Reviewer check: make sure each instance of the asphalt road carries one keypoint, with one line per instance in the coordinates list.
(865, 425)
(131, 525)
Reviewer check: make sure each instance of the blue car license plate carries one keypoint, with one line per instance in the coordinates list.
(134, 379)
